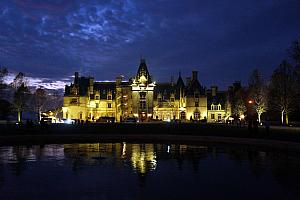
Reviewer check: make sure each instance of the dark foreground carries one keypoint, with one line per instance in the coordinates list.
(279, 137)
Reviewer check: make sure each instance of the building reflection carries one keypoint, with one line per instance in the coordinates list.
(143, 159)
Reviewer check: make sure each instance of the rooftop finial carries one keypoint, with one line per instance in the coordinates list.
(142, 59)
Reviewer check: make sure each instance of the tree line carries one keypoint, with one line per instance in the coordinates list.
(276, 98)
(16, 98)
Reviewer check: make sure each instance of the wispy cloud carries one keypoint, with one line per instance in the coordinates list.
(105, 38)
(36, 82)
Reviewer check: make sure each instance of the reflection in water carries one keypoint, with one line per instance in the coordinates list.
(143, 157)
(110, 164)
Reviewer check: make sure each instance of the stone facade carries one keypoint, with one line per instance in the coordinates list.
(144, 99)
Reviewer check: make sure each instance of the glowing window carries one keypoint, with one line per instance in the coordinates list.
(212, 116)
(219, 116)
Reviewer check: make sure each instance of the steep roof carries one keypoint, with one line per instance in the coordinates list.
(166, 89)
(180, 83)
(193, 87)
(219, 98)
(143, 71)
(104, 88)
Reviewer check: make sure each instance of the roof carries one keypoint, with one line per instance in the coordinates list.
(104, 88)
(220, 98)
(143, 71)
(194, 87)
(166, 89)
(180, 83)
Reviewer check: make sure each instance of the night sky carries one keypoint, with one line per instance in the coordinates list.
(224, 40)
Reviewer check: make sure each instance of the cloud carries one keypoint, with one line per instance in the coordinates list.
(106, 38)
(36, 82)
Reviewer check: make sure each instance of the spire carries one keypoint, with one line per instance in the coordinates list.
(143, 70)
(180, 82)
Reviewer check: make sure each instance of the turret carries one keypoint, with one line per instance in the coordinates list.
(76, 79)
(195, 75)
(143, 71)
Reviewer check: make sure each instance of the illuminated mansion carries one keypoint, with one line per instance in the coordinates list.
(142, 98)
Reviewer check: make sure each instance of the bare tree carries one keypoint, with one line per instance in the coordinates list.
(294, 52)
(3, 74)
(56, 103)
(282, 90)
(20, 95)
(238, 106)
(257, 93)
(40, 100)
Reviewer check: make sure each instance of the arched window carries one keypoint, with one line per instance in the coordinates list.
(182, 115)
(197, 115)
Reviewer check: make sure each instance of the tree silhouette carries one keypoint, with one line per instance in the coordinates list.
(282, 90)
(257, 92)
(40, 100)
(20, 95)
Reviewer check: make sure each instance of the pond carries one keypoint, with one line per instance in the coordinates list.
(147, 171)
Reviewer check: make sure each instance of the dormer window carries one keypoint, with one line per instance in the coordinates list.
(109, 97)
(97, 97)
(215, 107)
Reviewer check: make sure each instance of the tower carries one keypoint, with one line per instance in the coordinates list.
(142, 89)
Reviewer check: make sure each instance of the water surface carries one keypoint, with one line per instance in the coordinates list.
(146, 171)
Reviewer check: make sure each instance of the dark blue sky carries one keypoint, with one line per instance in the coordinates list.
(223, 40)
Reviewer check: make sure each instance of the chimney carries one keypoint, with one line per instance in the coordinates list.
(91, 85)
(195, 75)
(143, 60)
(119, 80)
(188, 81)
(76, 80)
(214, 90)
(237, 85)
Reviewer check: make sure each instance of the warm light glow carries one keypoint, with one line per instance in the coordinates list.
(250, 101)
(124, 149)
(65, 109)
(143, 159)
